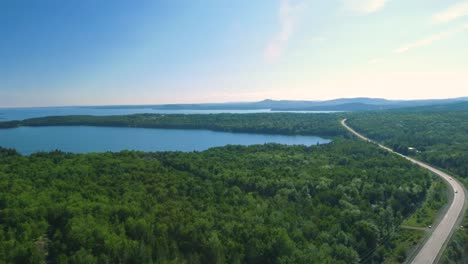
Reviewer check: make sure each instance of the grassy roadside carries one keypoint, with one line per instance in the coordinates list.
(405, 243)
(428, 213)
(457, 248)
(415, 228)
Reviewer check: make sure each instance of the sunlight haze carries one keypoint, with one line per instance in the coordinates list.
(118, 52)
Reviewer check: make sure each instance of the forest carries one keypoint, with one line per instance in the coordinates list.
(437, 135)
(334, 203)
(266, 123)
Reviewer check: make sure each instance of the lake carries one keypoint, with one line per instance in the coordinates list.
(84, 139)
(7, 114)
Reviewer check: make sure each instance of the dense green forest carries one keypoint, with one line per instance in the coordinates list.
(271, 203)
(439, 136)
(267, 123)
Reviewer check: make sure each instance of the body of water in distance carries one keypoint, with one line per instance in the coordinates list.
(8, 114)
(85, 139)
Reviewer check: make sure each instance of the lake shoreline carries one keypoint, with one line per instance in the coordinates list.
(91, 139)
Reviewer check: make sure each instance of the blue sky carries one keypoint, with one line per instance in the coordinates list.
(87, 52)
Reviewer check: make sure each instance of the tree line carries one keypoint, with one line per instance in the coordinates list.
(265, 123)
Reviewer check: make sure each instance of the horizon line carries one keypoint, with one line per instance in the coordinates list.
(234, 102)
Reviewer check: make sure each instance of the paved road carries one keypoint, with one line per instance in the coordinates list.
(435, 243)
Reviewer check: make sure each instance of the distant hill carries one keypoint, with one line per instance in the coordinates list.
(451, 107)
(342, 104)
(370, 104)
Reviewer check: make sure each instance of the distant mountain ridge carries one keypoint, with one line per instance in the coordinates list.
(341, 104)
(373, 104)
(451, 107)
(275, 104)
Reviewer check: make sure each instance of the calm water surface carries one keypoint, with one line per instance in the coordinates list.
(25, 113)
(84, 139)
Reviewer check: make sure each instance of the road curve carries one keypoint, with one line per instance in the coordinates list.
(441, 234)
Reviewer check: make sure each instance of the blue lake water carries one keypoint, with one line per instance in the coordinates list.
(84, 139)
(7, 114)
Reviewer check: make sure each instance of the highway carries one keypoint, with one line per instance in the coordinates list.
(429, 252)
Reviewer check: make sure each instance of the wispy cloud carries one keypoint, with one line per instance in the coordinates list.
(451, 13)
(365, 6)
(431, 39)
(288, 15)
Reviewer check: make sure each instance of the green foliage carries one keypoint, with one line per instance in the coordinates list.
(439, 136)
(426, 215)
(267, 123)
(457, 249)
(10, 124)
(260, 204)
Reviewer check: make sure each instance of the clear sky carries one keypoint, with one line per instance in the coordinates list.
(88, 52)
